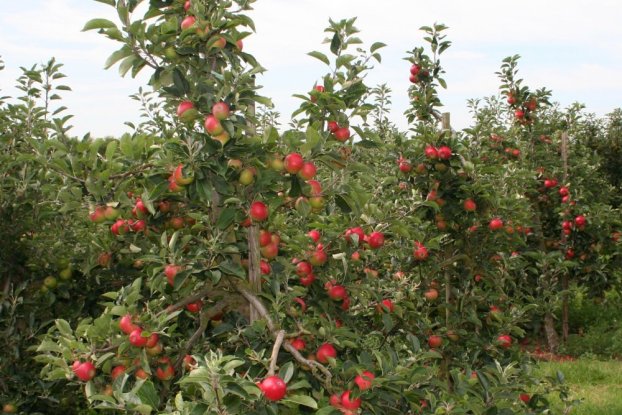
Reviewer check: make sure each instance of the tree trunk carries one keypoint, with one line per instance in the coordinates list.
(552, 339)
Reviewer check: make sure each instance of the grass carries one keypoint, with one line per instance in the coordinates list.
(598, 384)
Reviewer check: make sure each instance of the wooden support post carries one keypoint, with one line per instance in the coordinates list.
(565, 312)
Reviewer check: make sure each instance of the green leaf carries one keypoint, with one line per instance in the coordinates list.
(226, 218)
(286, 372)
(148, 395)
(116, 56)
(320, 56)
(231, 268)
(64, 328)
(376, 46)
(335, 44)
(98, 24)
(302, 400)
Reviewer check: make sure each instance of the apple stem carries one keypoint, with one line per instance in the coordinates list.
(280, 335)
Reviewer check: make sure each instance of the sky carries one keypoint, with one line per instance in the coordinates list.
(572, 47)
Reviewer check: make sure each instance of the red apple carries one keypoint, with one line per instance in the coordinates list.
(171, 270)
(469, 205)
(84, 371)
(186, 111)
(495, 224)
(349, 403)
(195, 307)
(137, 339)
(364, 380)
(165, 370)
(213, 125)
(308, 171)
(375, 240)
(342, 134)
(324, 352)
(431, 294)
(303, 268)
(298, 344)
(385, 305)
(117, 371)
(126, 325)
(358, 231)
(580, 221)
(505, 341)
(318, 258)
(188, 22)
(221, 111)
(431, 152)
(316, 188)
(420, 252)
(314, 235)
(258, 211)
(435, 341)
(332, 126)
(337, 292)
(273, 388)
(293, 163)
(444, 153)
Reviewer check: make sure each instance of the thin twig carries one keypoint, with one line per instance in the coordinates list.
(275, 351)
(205, 317)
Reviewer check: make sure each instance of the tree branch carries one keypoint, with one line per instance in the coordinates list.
(188, 300)
(261, 309)
(275, 351)
(205, 317)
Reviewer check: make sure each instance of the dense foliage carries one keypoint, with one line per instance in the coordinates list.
(208, 262)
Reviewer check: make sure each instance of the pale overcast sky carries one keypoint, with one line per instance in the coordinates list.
(573, 47)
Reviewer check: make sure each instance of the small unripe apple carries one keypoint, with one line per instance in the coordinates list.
(247, 176)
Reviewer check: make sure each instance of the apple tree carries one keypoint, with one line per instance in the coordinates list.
(266, 272)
